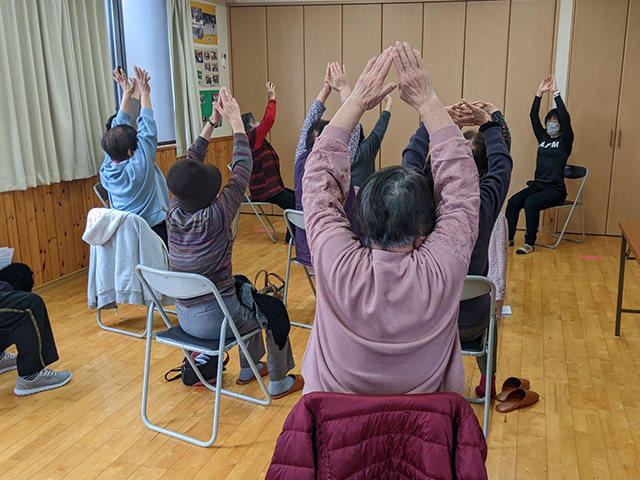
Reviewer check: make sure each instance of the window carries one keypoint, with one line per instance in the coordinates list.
(139, 36)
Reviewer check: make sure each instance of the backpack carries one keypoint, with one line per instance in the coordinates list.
(208, 370)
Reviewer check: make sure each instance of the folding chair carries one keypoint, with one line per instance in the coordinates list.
(271, 230)
(295, 219)
(102, 194)
(184, 286)
(477, 286)
(113, 249)
(572, 172)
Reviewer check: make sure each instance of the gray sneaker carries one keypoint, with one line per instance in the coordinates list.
(8, 362)
(46, 380)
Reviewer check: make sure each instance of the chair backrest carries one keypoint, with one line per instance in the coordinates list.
(575, 171)
(102, 194)
(294, 218)
(477, 286)
(176, 284)
(181, 285)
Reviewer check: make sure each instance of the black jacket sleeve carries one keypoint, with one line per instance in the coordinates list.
(565, 122)
(538, 130)
(414, 155)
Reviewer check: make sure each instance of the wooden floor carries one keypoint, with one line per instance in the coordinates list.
(586, 425)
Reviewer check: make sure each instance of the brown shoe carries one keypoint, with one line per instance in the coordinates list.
(519, 398)
(510, 384)
(298, 384)
(264, 371)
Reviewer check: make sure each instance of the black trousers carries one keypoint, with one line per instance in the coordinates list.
(533, 199)
(24, 322)
(285, 199)
(161, 230)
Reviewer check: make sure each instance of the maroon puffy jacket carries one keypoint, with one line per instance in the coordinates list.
(333, 436)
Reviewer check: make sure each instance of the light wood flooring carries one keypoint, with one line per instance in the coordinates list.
(560, 336)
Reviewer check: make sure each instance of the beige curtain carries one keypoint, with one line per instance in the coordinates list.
(55, 90)
(185, 86)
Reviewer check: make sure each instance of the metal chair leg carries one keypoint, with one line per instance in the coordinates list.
(271, 231)
(313, 287)
(286, 277)
(217, 389)
(119, 330)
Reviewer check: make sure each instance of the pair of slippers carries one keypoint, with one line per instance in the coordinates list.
(515, 394)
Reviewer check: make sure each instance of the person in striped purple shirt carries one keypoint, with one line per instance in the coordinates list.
(200, 241)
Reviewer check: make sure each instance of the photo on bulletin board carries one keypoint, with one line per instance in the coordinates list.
(205, 23)
(207, 97)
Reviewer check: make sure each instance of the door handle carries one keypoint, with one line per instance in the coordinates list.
(619, 138)
(611, 138)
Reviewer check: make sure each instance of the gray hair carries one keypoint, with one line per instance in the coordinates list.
(394, 207)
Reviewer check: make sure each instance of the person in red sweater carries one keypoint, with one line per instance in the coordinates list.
(266, 183)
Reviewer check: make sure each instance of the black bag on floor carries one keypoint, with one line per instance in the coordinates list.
(188, 375)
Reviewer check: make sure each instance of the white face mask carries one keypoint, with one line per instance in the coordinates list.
(257, 123)
(553, 128)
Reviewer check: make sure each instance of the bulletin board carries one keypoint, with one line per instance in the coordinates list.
(205, 23)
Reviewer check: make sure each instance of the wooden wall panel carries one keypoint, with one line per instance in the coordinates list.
(625, 180)
(592, 99)
(402, 22)
(285, 40)
(322, 44)
(45, 224)
(485, 58)
(249, 58)
(361, 40)
(529, 62)
(443, 48)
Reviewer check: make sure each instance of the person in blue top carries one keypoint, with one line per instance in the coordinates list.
(129, 172)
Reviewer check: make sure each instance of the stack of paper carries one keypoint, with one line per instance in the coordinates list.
(6, 255)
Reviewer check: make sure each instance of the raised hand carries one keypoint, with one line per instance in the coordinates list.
(460, 114)
(128, 85)
(486, 106)
(554, 85)
(337, 78)
(142, 79)
(215, 117)
(387, 103)
(546, 85)
(415, 84)
(370, 89)
(468, 115)
(271, 90)
(227, 107)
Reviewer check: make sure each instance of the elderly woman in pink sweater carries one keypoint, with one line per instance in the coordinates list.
(387, 307)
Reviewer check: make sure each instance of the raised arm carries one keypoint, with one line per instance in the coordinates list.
(269, 117)
(414, 155)
(338, 81)
(326, 181)
(564, 119)
(128, 86)
(143, 163)
(538, 129)
(496, 116)
(495, 184)
(455, 175)
(229, 199)
(198, 151)
(368, 149)
(315, 113)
